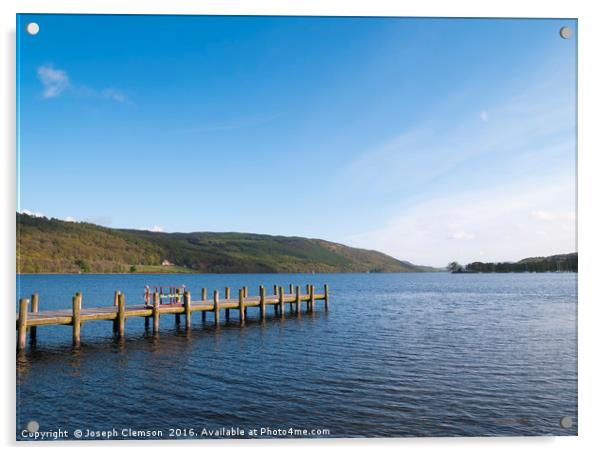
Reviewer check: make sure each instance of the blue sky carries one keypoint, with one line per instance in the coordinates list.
(429, 139)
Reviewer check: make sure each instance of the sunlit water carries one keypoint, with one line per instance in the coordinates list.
(410, 354)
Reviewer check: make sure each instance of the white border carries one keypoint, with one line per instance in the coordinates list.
(590, 228)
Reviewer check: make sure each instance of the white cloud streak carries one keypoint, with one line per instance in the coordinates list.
(55, 81)
(34, 214)
(487, 187)
(494, 225)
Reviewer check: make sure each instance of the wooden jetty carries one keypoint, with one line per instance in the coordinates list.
(119, 312)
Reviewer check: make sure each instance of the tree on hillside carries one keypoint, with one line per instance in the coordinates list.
(454, 267)
(83, 265)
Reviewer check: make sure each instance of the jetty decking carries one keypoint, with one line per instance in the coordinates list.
(119, 312)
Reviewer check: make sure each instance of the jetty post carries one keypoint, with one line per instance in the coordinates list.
(311, 297)
(178, 300)
(121, 315)
(262, 302)
(116, 305)
(216, 306)
(187, 310)
(245, 294)
(156, 314)
(227, 296)
(33, 331)
(275, 290)
(290, 291)
(204, 298)
(146, 318)
(23, 303)
(281, 300)
(241, 306)
(326, 297)
(307, 301)
(76, 319)
(297, 299)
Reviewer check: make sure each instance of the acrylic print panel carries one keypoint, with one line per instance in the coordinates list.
(295, 227)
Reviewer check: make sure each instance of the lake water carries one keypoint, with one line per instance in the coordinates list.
(413, 354)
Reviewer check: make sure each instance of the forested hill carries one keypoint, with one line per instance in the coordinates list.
(557, 263)
(54, 246)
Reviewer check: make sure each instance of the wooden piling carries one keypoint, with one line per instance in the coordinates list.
(241, 305)
(187, 310)
(23, 303)
(204, 298)
(216, 306)
(311, 298)
(326, 297)
(146, 318)
(33, 331)
(178, 300)
(262, 302)
(307, 301)
(76, 319)
(281, 300)
(227, 296)
(121, 316)
(156, 314)
(245, 294)
(275, 290)
(116, 305)
(291, 292)
(297, 299)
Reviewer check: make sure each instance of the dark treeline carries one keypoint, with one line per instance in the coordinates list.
(556, 263)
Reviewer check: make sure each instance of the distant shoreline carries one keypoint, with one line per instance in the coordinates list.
(288, 273)
(224, 273)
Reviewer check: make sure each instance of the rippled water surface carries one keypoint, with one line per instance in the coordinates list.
(428, 354)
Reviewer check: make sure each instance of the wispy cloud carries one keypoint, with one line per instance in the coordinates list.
(34, 214)
(154, 228)
(113, 94)
(462, 235)
(495, 186)
(493, 225)
(55, 81)
(546, 215)
(101, 220)
(526, 130)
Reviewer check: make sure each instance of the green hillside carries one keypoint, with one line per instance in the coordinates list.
(54, 246)
(557, 263)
